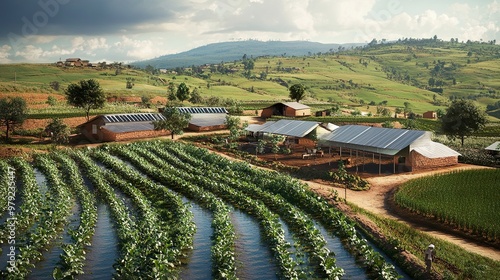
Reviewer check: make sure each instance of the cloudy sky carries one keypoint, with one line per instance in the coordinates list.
(131, 30)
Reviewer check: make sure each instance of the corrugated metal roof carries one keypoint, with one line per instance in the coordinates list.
(136, 117)
(435, 150)
(204, 120)
(203, 110)
(290, 128)
(382, 140)
(296, 105)
(121, 127)
(493, 147)
(258, 127)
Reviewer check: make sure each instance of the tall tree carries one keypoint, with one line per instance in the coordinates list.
(175, 121)
(87, 94)
(297, 92)
(462, 119)
(182, 92)
(13, 112)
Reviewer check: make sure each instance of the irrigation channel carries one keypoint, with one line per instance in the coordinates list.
(165, 209)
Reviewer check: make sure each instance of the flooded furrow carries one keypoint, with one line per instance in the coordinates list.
(199, 262)
(254, 259)
(104, 249)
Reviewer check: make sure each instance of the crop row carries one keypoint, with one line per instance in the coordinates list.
(467, 199)
(298, 194)
(223, 247)
(298, 222)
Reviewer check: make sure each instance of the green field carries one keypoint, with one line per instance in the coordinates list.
(395, 73)
(468, 199)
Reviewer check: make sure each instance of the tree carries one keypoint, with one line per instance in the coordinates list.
(58, 131)
(87, 94)
(235, 128)
(13, 112)
(196, 97)
(297, 92)
(462, 119)
(182, 92)
(175, 121)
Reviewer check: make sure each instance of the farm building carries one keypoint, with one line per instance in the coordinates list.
(494, 150)
(287, 109)
(429, 115)
(410, 149)
(116, 127)
(206, 118)
(300, 132)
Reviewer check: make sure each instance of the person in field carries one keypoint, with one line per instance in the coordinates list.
(430, 255)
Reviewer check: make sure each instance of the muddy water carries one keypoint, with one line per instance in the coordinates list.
(199, 261)
(254, 259)
(103, 252)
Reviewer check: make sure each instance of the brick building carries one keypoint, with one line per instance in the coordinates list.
(287, 109)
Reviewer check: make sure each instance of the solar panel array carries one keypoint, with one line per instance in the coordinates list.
(203, 110)
(139, 117)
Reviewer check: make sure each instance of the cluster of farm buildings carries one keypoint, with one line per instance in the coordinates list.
(412, 148)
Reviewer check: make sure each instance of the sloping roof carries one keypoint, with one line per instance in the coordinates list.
(258, 127)
(435, 150)
(296, 105)
(289, 128)
(205, 120)
(121, 123)
(203, 110)
(375, 139)
(387, 141)
(494, 147)
(129, 127)
(127, 118)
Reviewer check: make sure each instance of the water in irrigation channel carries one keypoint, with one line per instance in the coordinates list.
(51, 257)
(199, 261)
(103, 252)
(42, 185)
(254, 259)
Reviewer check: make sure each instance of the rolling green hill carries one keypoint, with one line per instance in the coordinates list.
(419, 74)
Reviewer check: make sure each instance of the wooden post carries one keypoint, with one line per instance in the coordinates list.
(379, 164)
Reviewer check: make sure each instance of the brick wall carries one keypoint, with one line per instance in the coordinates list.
(140, 134)
(419, 162)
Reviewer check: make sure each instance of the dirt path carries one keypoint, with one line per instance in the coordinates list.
(376, 200)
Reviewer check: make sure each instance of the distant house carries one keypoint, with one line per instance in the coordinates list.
(494, 150)
(287, 109)
(75, 62)
(429, 115)
(117, 127)
(86, 63)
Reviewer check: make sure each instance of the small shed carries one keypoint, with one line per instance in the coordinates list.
(287, 109)
(117, 127)
(429, 115)
(494, 150)
(206, 118)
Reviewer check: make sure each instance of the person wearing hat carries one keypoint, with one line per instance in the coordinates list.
(430, 254)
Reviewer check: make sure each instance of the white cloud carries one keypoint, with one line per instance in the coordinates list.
(139, 49)
(5, 53)
(30, 53)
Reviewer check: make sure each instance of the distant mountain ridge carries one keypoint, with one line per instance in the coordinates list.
(230, 51)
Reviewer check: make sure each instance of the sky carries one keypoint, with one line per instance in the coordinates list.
(40, 31)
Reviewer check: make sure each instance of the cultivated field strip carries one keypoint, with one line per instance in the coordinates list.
(143, 185)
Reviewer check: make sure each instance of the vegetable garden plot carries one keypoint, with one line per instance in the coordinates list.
(155, 229)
